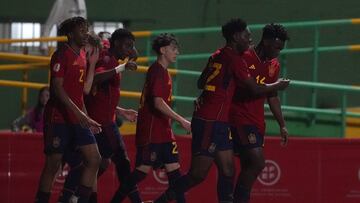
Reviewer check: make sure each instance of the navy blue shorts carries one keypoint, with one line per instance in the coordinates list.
(156, 155)
(110, 141)
(208, 137)
(246, 137)
(60, 137)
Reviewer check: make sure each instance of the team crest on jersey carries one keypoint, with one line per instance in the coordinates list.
(153, 156)
(252, 138)
(212, 148)
(272, 69)
(252, 67)
(56, 67)
(56, 142)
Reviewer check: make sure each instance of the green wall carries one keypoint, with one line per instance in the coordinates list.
(336, 67)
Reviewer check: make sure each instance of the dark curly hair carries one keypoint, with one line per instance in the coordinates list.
(275, 31)
(231, 27)
(120, 34)
(163, 40)
(68, 25)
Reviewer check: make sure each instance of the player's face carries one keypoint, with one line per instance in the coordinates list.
(126, 48)
(273, 47)
(170, 52)
(80, 35)
(243, 40)
(44, 97)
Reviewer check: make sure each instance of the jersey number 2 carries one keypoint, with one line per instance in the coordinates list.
(217, 68)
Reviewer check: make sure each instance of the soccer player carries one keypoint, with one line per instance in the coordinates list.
(101, 104)
(210, 128)
(155, 140)
(247, 112)
(65, 117)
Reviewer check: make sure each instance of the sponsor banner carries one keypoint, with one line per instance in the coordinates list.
(307, 170)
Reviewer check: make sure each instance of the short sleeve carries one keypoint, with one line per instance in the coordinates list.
(157, 82)
(58, 65)
(274, 71)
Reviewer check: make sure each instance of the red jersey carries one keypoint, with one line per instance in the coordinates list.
(247, 110)
(152, 125)
(71, 66)
(225, 70)
(103, 99)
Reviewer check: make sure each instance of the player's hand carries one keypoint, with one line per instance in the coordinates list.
(283, 83)
(133, 54)
(95, 130)
(131, 65)
(94, 56)
(197, 103)
(284, 136)
(128, 114)
(186, 125)
(87, 122)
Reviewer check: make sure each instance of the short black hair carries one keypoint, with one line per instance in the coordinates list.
(275, 31)
(162, 40)
(120, 34)
(68, 25)
(231, 27)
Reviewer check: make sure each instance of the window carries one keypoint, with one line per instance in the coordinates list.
(25, 31)
(107, 26)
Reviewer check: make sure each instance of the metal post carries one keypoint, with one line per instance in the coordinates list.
(24, 98)
(343, 114)
(148, 49)
(315, 71)
(284, 75)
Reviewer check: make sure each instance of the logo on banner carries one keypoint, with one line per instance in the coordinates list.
(271, 173)
(160, 176)
(62, 175)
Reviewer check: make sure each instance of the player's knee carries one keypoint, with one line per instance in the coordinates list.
(104, 164)
(197, 176)
(228, 171)
(53, 164)
(259, 166)
(93, 161)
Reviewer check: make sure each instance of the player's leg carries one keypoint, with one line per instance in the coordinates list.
(51, 168)
(250, 142)
(144, 161)
(55, 141)
(224, 161)
(105, 152)
(170, 157)
(121, 161)
(225, 185)
(74, 160)
(200, 166)
(91, 162)
(202, 158)
(251, 167)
